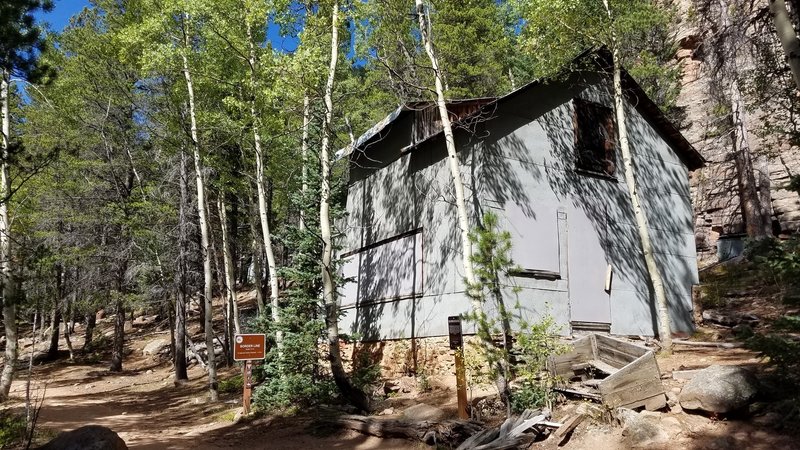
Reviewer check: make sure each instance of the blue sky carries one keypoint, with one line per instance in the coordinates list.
(58, 18)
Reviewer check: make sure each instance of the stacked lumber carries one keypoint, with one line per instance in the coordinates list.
(515, 432)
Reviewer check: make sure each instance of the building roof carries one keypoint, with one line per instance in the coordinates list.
(601, 58)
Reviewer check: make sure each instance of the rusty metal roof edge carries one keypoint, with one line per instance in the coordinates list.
(687, 152)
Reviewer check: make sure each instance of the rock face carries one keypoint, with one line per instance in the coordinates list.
(719, 389)
(715, 188)
(90, 437)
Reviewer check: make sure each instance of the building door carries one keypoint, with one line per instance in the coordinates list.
(590, 304)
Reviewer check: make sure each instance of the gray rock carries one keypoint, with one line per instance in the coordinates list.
(423, 411)
(640, 430)
(90, 437)
(673, 403)
(155, 346)
(719, 389)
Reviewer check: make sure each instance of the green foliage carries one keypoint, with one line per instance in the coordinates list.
(556, 31)
(787, 323)
(12, 429)
(231, 385)
(491, 259)
(536, 342)
(293, 392)
(473, 40)
(777, 259)
(473, 46)
(782, 350)
(21, 38)
(366, 371)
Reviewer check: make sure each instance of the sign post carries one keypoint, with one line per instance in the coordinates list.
(247, 348)
(457, 344)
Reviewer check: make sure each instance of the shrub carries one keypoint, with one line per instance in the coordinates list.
(232, 385)
(494, 271)
(12, 429)
(778, 259)
(366, 372)
(536, 342)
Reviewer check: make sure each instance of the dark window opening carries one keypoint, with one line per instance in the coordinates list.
(595, 137)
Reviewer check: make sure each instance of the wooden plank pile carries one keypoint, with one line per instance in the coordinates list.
(613, 372)
(515, 432)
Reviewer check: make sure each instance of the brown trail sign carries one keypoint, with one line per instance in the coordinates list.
(248, 347)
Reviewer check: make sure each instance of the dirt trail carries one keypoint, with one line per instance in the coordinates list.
(148, 411)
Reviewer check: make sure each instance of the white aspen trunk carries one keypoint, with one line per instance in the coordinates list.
(181, 297)
(256, 248)
(203, 218)
(227, 262)
(263, 216)
(328, 288)
(662, 306)
(349, 392)
(787, 36)
(452, 156)
(9, 287)
(461, 206)
(304, 156)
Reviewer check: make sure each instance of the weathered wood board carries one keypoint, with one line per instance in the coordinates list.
(634, 378)
(582, 352)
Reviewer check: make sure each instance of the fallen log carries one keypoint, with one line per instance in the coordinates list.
(708, 344)
(728, 319)
(193, 351)
(432, 432)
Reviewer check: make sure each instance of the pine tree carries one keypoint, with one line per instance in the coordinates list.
(20, 44)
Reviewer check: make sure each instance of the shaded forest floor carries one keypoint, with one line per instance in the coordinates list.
(148, 411)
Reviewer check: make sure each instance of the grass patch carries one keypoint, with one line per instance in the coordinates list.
(232, 385)
(227, 415)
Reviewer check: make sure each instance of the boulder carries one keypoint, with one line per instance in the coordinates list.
(640, 430)
(423, 411)
(719, 389)
(155, 346)
(90, 437)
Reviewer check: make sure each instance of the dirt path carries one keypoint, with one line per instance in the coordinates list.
(149, 412)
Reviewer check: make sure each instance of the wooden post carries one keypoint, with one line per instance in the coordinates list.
(247, 386)
(461, 384)
(457, 344)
